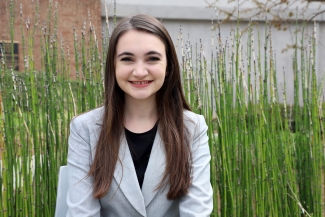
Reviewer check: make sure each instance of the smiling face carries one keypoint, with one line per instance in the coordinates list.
(140, 64)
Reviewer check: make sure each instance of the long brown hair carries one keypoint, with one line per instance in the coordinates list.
(169, 99)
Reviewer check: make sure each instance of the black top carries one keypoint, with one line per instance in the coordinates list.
(140, 145)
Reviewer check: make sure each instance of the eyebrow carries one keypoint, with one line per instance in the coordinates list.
(131, 54)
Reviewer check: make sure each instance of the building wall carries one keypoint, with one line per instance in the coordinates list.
(194, 17)
(71, 14)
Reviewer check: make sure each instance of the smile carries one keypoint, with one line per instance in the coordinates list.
(140, 82)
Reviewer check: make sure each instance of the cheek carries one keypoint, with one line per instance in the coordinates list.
(120, 78)
(159, 71)
(120, 72)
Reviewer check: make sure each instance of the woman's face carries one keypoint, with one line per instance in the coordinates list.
(140, 64)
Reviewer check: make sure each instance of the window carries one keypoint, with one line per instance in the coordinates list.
(6, 54)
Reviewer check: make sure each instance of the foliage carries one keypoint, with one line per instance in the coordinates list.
(36, 108)
(278, 11)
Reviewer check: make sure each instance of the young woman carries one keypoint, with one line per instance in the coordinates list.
(144, 153)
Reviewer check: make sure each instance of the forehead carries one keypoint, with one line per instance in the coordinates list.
(139, 40)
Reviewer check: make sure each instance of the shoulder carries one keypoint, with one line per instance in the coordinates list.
(192, 119)
(88, 119)
(194, 123)
(199, 200)
(94, 115)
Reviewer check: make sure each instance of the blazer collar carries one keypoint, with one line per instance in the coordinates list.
(125, 174)
(155, 170)
(126, 177)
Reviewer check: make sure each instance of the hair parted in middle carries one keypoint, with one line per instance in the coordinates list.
(170, 102)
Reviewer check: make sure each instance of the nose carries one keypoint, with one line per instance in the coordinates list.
(140, 70)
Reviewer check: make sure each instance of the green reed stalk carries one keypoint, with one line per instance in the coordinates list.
(8, 162)
(212, 130)
(25, 156)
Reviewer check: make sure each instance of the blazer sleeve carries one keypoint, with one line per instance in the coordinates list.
(198, 201)
(80, 200)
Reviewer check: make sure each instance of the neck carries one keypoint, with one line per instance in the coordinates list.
(140, 115)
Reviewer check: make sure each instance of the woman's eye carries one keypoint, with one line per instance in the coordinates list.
(152, 59)
(126, 59)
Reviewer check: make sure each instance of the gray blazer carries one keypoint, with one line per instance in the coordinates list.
(125, 198)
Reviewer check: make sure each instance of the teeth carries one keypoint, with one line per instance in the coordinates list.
(140, 82)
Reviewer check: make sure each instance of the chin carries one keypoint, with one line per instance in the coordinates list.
(141, 97)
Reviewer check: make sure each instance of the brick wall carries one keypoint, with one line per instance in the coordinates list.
(71, 14)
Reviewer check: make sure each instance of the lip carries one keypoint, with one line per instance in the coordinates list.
(140, 84)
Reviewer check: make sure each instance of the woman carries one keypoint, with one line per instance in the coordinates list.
(144, 153)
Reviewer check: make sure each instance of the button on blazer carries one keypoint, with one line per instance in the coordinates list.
(125, 198)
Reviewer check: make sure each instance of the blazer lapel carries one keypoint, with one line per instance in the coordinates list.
(126, 177)
(155, 170)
